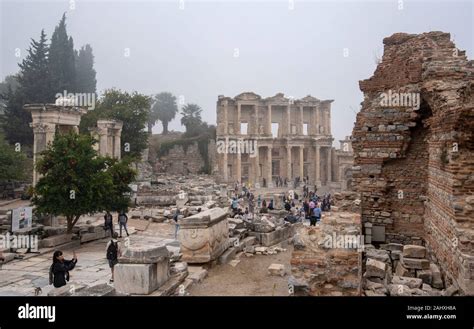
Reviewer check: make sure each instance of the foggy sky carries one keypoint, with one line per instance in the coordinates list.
(190, 52)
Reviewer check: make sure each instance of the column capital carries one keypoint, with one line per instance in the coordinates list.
(41, 127)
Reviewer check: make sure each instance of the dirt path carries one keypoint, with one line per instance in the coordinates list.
(248, 278)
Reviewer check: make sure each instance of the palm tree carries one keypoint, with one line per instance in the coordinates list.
(191, 117)
(164, 109)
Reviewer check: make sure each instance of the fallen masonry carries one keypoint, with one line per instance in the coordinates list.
(320, 268)
(401, 276)
(142, 269)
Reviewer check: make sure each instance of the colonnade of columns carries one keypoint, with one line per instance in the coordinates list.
(261, 164)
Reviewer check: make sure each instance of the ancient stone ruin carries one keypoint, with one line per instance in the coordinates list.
(108, 133)
(414, 153)
(47, 120)
(260, 139)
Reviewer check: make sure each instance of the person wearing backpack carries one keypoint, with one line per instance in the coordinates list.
(59, 270)
(112, 253)
(109, 223)
(122, 220)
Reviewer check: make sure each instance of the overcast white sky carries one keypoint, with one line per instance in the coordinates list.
(294, 47)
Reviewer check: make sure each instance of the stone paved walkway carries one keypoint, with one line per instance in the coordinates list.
(21, 277)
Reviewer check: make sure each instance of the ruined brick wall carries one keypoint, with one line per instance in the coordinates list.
(414, 165)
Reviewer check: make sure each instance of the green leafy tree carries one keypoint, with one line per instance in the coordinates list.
(165, 109)
(86, 81)
(62, 60)
(132, 109)
(122, 176)
(76, 181)
(12, 163)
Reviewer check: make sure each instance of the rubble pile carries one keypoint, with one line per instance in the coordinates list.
(168, 190)
(402, 270)
(326, 258)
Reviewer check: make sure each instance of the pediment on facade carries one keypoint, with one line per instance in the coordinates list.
(248, 96)
(278, 98)
(309, 99)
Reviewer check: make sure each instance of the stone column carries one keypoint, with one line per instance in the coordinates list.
(318, 120)
(43, 135)
(224, 160)
(269, 167)
(301, 124)
(329, 120)
(237, 128)
(238, 169)
(323, 121)
(226, 119)
(317, 163)
(103, 141)
(288, 162)
(257, 132)
(117, 144)
(110, 143)
(329, 164)
(312, 121)
(256, 166)
(269, 120)
(288, 119)
(301, 172)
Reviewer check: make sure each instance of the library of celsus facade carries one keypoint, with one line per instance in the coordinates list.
(262, 139)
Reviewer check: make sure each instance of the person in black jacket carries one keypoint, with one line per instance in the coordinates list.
(59, 270)
(109, 223)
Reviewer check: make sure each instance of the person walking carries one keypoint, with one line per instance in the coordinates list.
(112, 253)
(176, 218)
(270, 205)
(122, 220)
(109, 223)
(251, 206)
(59, 270)
(315, 216)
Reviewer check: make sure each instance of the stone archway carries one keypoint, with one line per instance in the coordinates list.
(49, 119)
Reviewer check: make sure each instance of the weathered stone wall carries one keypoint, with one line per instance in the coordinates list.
(183, 160)
(414, 164)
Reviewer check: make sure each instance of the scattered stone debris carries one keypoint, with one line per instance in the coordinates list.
(401, 270)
